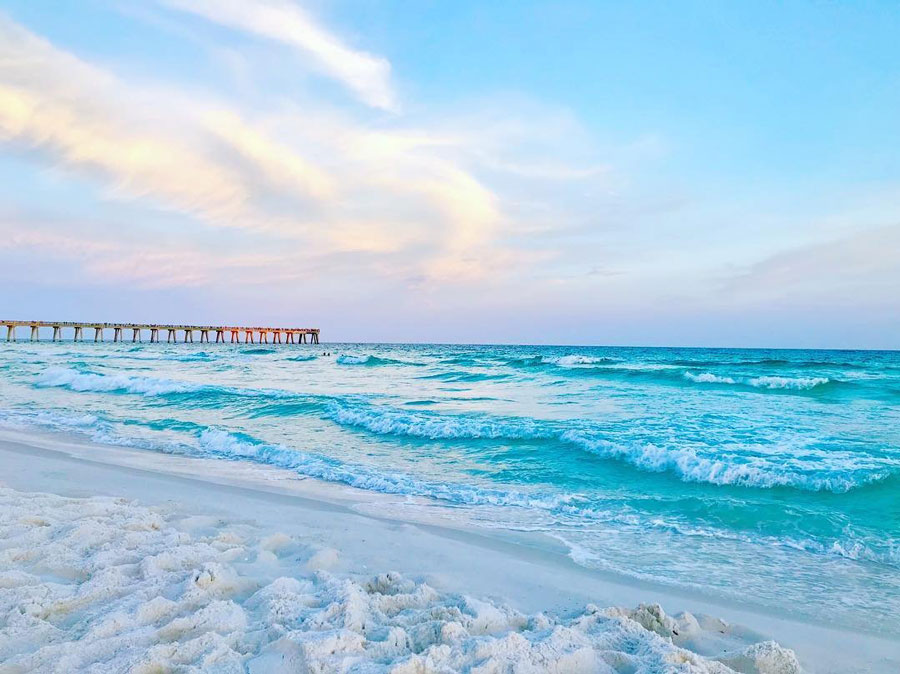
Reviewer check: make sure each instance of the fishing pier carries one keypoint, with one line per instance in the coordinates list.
(135, 330)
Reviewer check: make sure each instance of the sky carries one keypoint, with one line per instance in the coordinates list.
(516, 171)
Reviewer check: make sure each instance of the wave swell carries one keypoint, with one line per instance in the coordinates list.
(368, 359)
(687, 463)
(106, 383)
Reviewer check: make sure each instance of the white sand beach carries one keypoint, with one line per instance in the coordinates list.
(116, 560)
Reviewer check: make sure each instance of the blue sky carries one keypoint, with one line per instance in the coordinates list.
(686, 173)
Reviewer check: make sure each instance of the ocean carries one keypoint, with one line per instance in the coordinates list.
(769, 477)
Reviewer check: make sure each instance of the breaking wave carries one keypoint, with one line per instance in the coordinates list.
(762, 382)
(744, 471)
(686, 463)
(663, 373)
(570, 361)
(837, 472)
(433, 426)
(223, 444)
(107, 383)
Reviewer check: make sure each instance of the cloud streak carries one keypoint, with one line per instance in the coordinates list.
(861, 268)
(367, 76)
(404, 200)
(79, 115)
(143, 263)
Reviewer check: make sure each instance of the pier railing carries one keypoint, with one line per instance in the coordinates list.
(291, 335)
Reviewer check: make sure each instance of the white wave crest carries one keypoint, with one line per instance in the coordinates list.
(389, 421)
(748, 471)
(350, 359)
(799, 383)
(221, 443)
(688, 463)
(708, 378)
(764, 382)
(574, 360)
(106, 383)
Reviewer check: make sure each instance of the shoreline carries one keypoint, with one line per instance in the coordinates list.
(530, 572)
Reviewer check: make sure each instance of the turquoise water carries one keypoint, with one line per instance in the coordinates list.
(772, 477)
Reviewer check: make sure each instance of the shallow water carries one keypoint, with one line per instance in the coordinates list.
(765, 476)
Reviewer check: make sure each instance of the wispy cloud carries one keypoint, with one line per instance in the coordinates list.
(80, 116)
(367, 76)
(424, 199)
(862, 268)
(190, 156)
(275, 161)
(143, 263)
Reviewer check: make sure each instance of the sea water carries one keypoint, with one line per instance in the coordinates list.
(768, 477)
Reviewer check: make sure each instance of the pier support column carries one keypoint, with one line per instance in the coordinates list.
(204, 336)
(235, 337)
(303, 338)
(263, 337)
(34, 333)
(220, 336)
(117, 334)
(154, 334)
(188, 336)
(10, 333)
(171, 336)
(79, 335)
(248, 336)
(136, 335)
(276, 337)
(289, 336)
(57, 334)
(315, 336)
(98, 334)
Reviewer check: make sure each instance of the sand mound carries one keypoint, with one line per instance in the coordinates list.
(105, 585)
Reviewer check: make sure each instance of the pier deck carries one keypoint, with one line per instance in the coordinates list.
(291, 335)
